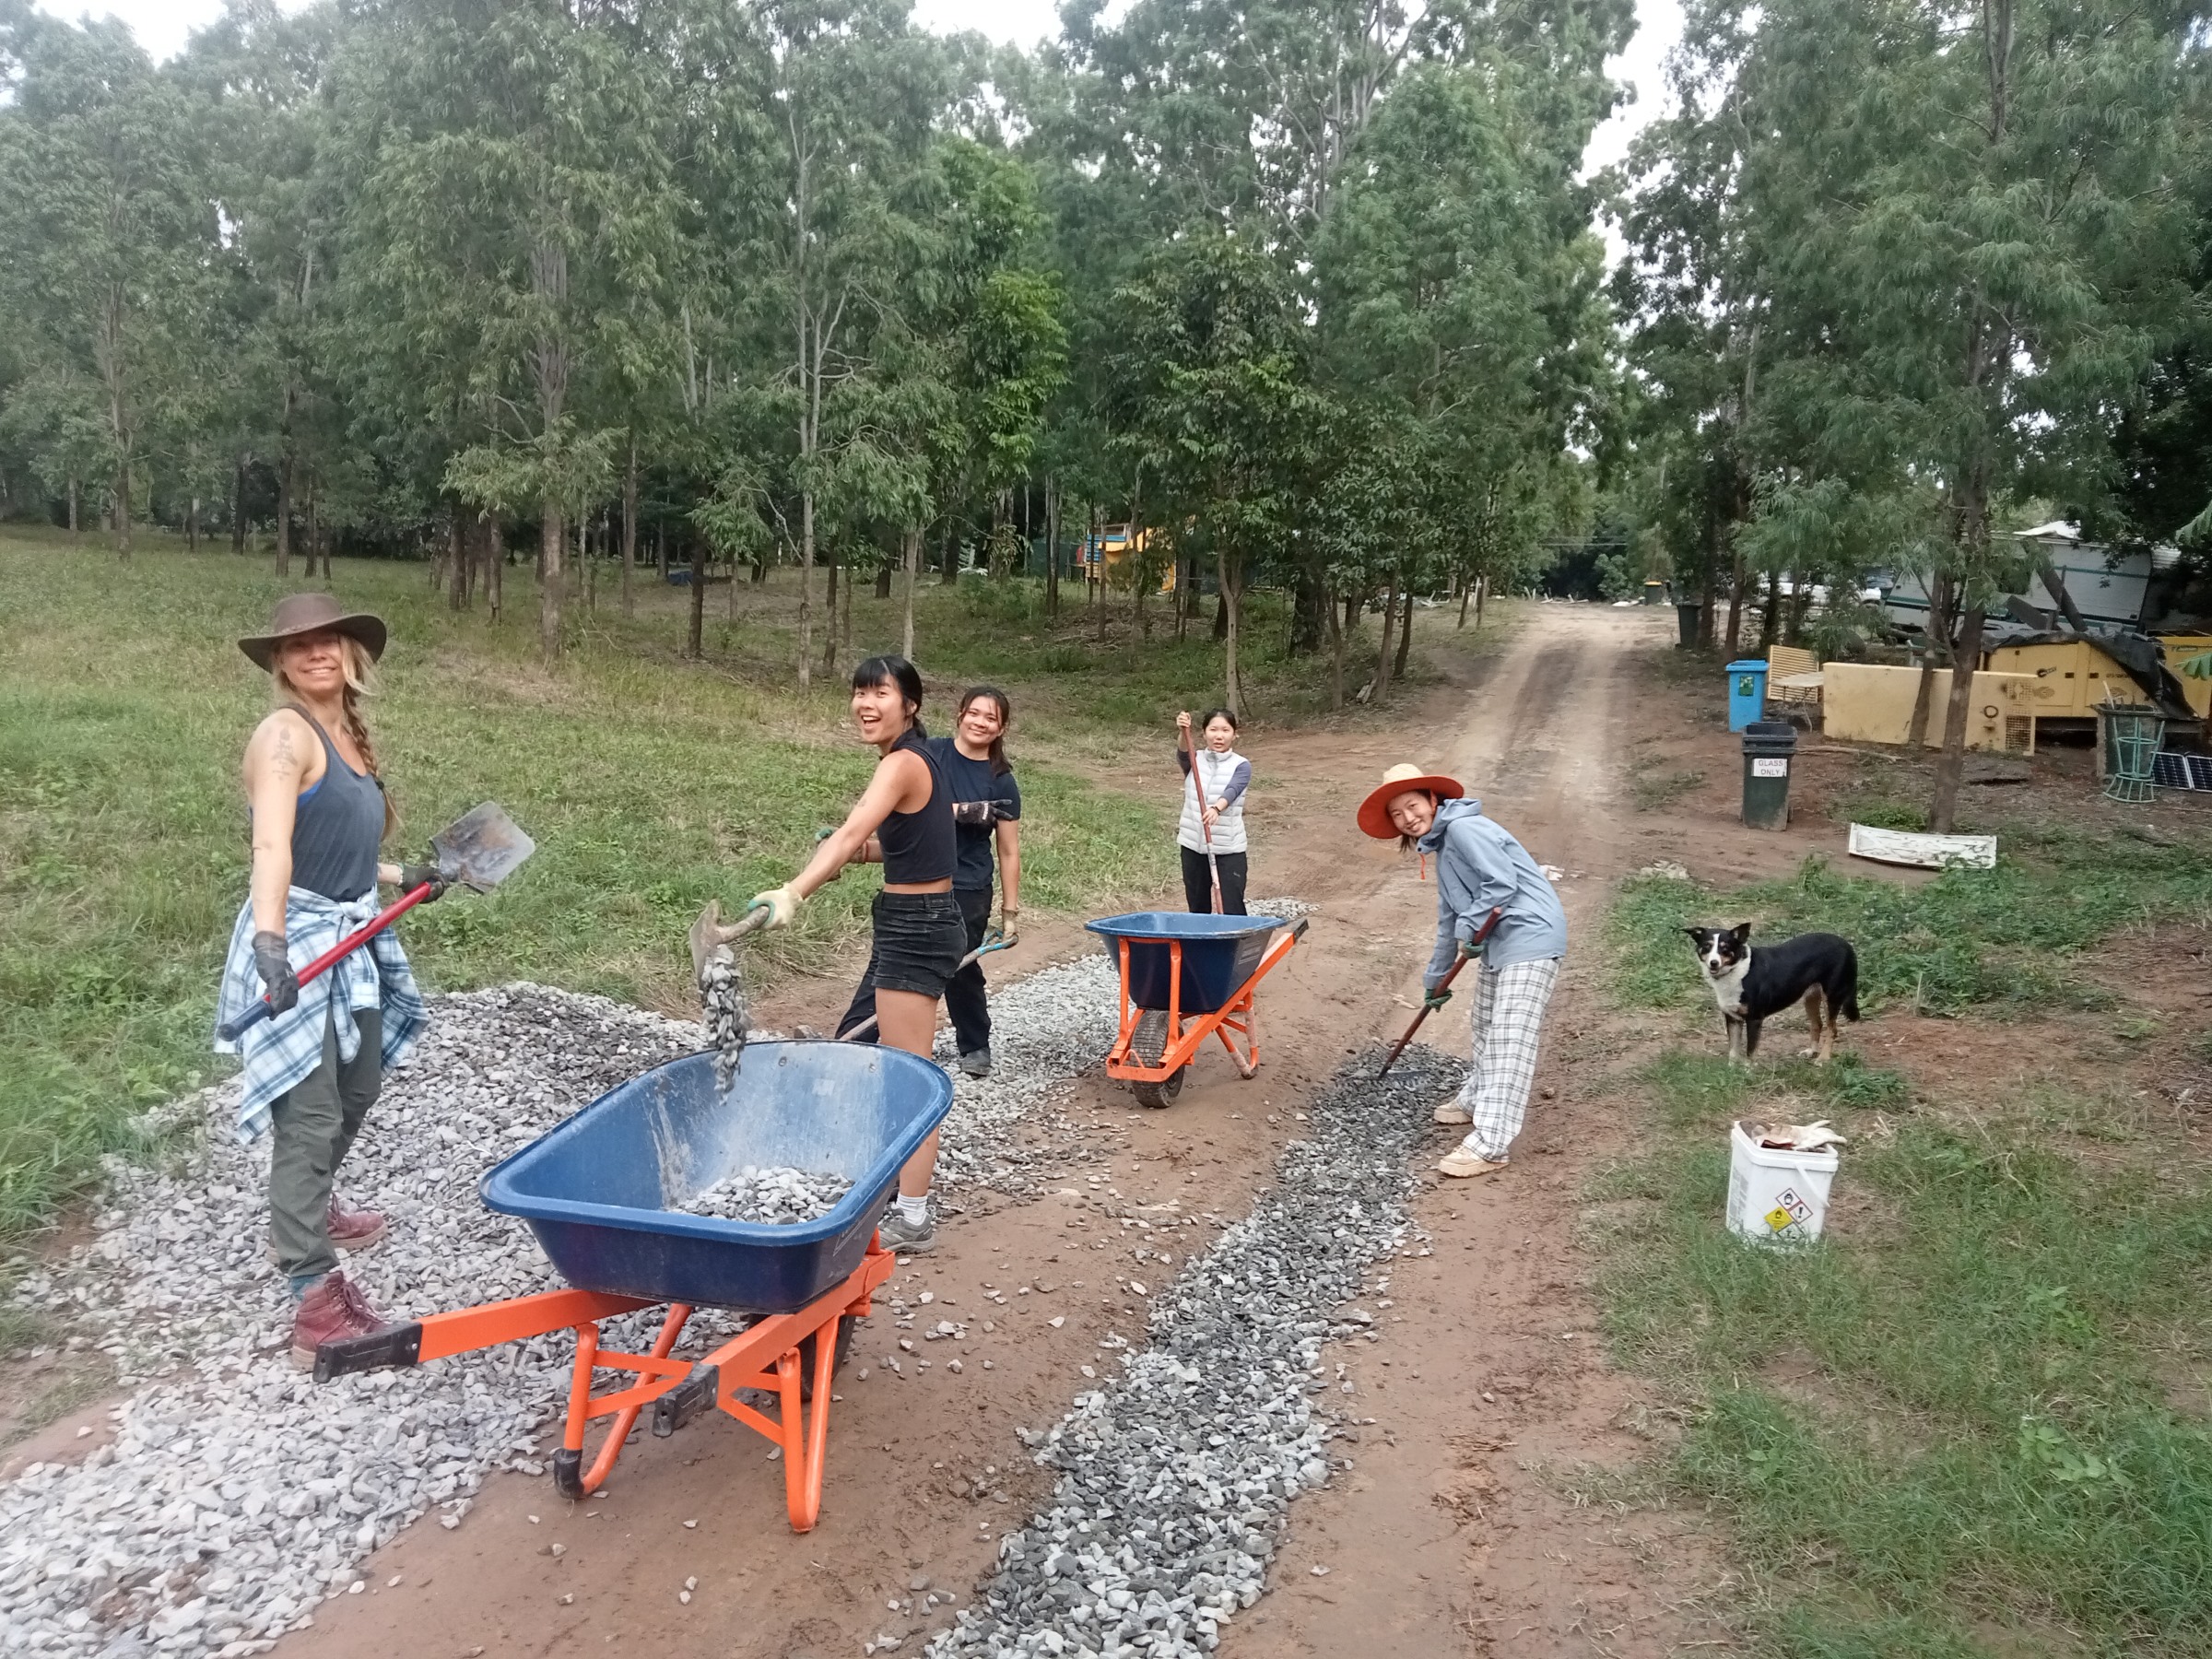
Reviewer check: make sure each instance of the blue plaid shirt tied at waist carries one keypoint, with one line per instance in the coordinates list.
(280, 1054)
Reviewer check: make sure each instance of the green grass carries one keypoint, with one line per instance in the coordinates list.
(1989, 1454)
(1996, 940)
(1954, 1426)
(649, 783)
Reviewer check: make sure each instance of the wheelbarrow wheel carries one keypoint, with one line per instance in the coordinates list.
(1147, 1043)
(1162, 1093)
(846, 1328)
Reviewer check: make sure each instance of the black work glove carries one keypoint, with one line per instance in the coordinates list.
(278, 982)
(971, 812)
(413, 876)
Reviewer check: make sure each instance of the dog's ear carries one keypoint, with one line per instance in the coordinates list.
(1740, 931)
(1698, 934)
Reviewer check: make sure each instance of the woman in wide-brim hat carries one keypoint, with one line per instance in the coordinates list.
(1479, 867)
(319, 814)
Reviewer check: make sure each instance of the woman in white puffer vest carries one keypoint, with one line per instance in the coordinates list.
(1214, 780)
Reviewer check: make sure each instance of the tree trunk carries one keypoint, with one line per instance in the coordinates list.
(550, 551)
(806, 588)
(883, 580)
(591, 566)
(495, 579)
(1467, 592)
(75, 490)
(1052, 550)
(829, 621)
(284, 516)
(1940, 627)
(1770, 616)
(952, 549)
(1227, 572)
(1336, 651)
(695, 638)
(456, 539)
(914, 570)
(1482, 591)
(1705, 600)
(1405, 635)
(846, 622)
(314, 534)
(192, 526)
(1950, 765)
(1307, 627)
(1390, 618)
(1736, 607)
(629, 527)
(660, 549)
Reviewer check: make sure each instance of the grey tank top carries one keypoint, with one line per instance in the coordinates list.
(336, 826)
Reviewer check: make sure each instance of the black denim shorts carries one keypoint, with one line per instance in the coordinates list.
(920, 939)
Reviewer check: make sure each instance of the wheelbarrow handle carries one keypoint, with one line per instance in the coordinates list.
(1467, 955)
(230, 1030)
(867, 1025)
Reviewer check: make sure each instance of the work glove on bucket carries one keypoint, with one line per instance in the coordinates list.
(278, 982)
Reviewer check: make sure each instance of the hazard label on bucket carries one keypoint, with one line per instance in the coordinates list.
(1790, 1209)
(1763, 767)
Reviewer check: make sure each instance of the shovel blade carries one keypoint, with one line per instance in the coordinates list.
(480, 849)
(711, 932)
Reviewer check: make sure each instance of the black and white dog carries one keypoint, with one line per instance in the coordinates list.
(1819, 969)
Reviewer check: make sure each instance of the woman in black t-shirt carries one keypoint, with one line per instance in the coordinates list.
(987, 809)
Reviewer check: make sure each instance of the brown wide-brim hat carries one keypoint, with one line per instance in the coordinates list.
(1374, 812)
(299, 614)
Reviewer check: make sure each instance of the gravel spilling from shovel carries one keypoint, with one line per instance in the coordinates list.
(1175, 1479)
(723, 1012)
(773, 1195)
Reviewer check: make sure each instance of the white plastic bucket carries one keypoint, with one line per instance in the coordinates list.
(1776, 1195)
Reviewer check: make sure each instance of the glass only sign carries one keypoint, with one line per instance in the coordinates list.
(1770, 766)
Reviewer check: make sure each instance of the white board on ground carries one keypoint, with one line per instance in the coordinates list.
(1927, 851)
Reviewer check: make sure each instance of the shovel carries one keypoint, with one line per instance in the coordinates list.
(478, 851)
(867, 1025)
(1467, 955)
(711, 932)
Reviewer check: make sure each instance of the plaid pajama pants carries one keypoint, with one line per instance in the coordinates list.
(1509, 1021)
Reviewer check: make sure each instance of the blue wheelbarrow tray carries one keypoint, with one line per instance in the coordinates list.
(1219, 953)
(599, 1189)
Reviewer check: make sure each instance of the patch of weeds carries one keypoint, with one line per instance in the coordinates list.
(1881, 814)
(1997, 939)
(2047, 1476)
(1654, 790)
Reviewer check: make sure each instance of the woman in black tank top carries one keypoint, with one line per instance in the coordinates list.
(904, 819)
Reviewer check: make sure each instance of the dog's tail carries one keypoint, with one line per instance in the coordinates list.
(1844, 994)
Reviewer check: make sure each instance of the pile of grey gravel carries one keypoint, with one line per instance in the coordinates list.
(771, 1194)
(1175, 1479)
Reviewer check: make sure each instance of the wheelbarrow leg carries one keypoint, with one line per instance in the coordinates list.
(804, 1434)
(569, 1477)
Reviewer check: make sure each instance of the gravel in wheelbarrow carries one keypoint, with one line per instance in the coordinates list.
(603, 1192)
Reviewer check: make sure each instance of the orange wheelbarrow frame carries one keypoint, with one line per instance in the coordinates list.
(1187, 1033)
(765, 1356)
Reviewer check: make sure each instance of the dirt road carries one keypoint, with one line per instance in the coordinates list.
(1461, 1528)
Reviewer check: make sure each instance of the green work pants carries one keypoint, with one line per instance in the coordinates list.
(313, 1126)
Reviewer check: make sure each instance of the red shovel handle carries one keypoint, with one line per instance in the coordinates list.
(1466, 956)
(230, 1031)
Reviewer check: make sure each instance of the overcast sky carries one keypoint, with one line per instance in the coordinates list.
(163, 25)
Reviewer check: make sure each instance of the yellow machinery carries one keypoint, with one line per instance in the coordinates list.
(2075, 672)
(1112, 544)
(2177, 650)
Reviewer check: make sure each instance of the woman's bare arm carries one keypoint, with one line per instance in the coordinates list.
(280, 763)
(1009, 863)
(901, 784)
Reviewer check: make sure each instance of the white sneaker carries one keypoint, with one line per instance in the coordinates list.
(1451, 1112)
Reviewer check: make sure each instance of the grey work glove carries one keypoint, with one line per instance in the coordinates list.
(1433, 1000)
(971, 812)
(413, 876)
(278, 982)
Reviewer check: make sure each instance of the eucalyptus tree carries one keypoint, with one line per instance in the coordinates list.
(107, 229)
(516, 178)
(1214, 405)
(1957, 200)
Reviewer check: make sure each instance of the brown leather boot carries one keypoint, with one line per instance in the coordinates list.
(332, 1308)
(353, 1230)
